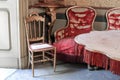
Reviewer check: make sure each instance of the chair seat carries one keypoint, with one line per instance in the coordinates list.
(65, 49)
(40, 46)
(65, 45)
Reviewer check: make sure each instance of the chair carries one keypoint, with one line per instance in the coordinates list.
(39, 51)
(113, 19)
(80, 21)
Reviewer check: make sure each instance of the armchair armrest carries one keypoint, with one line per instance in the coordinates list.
(61, 33)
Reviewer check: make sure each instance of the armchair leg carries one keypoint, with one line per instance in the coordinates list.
(91, 68)
(96, 68)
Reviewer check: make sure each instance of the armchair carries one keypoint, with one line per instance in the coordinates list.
(113, 19)
(80, 20)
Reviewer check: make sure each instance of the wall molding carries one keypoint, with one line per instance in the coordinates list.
(6, 39)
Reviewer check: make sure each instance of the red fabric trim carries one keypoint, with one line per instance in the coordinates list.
(96, 59)
(115, 66)
(66, 57)
(69, 51)
(79, 51)
(100, 60)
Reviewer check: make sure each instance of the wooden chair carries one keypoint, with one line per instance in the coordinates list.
(79, 21)
(113, 19)
(39, 51)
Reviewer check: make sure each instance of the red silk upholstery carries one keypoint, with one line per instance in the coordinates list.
(113, 19)
(65, 44)
(80, 20)
(66, 50)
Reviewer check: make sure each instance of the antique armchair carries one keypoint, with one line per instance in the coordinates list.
(38, 50)
(80, 21)
(113, 19)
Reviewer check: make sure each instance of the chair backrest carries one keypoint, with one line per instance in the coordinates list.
(35, 28)
(80, 19)
(113, 19)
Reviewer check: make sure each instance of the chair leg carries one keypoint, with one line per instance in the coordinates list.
(54, 63)
(33, 69)
(28, 64)
(29, 61)
(32, 64)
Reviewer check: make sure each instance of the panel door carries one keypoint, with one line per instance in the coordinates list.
(9, 33)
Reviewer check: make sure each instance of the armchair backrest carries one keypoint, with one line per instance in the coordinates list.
(113, 19)
(80, 20)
